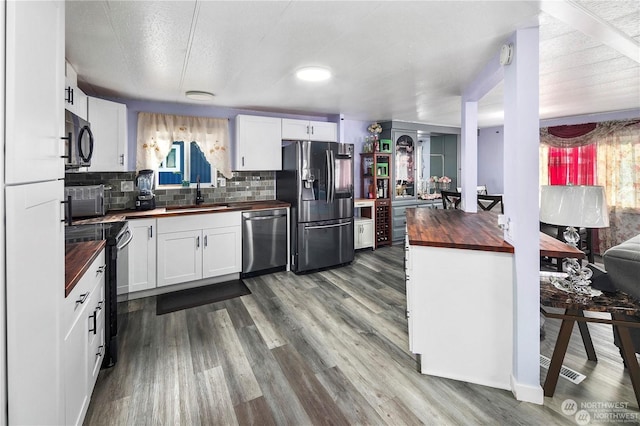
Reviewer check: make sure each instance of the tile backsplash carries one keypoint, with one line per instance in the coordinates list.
(243, 186)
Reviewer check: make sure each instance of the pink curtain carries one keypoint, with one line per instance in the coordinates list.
(575, 166)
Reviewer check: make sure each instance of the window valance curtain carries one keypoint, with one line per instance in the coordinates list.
(582, 134)
(157, 132)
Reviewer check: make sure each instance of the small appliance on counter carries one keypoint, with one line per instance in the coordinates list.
(86, 200)
(145, 183)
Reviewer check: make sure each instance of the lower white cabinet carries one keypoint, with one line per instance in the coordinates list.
(222, 251)
(137, 261)
(83, 345)
(179, 257)
(363, 233)
(193, 247)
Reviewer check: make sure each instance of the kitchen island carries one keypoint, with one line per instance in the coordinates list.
(459, 284)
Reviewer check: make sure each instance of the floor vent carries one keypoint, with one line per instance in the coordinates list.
(565, 372)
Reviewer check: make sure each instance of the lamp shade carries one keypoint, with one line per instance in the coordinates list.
(579, 206)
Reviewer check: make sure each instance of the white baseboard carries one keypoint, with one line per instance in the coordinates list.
(527, 393)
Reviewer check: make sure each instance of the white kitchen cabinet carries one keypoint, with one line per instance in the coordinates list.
(137, 261)
(258, 143)
(179, 257)
(96, 350)
(193, 247)
(34, 294)
(82, 357)
(222, 252)
(34, 117)
(363, 223)
(363, 233)
(75, 99)
(303, 130)
(109, 127)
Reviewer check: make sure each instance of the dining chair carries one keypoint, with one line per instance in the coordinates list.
(450, 199)
(488, 202)
(480, 189)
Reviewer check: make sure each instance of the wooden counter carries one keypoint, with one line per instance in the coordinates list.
(119, 215)
(77, 259)
(456, 229)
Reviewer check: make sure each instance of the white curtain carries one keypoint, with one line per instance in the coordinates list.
(157, 132)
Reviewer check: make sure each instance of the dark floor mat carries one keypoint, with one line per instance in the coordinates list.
(183, 299)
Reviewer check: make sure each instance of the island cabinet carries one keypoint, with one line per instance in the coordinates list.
(83, 344)
(258, 143)
(137, 269)
(303, 130)
(459, 278)
(194, 247)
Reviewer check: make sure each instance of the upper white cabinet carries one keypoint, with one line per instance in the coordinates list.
(258, 143)
(303, 130)
(74, 99)
(34, 76)
(109, 127)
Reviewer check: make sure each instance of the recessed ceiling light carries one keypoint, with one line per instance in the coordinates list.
(199, 95)
(313, 74)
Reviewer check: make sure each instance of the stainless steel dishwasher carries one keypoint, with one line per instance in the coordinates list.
(264, 240)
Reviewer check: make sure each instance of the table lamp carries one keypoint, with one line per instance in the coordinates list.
(579, 206)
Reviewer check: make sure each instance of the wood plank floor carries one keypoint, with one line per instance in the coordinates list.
(329, 347)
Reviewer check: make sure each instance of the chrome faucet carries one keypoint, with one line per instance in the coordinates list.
(199, 199)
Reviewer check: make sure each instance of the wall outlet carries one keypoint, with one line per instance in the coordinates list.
(222, 182)
(126, 186)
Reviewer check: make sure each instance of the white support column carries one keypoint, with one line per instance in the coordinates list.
(521, 144)
(469, 156)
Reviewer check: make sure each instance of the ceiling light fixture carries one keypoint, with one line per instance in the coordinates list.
(198, 95)
(313, 74)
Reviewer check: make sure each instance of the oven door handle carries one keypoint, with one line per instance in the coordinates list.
(128, 240)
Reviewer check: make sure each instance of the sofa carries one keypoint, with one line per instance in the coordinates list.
(622, 263)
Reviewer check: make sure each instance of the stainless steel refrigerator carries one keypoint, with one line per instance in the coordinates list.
(317, 179)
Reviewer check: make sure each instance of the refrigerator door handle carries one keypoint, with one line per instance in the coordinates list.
(328, 226)
(327, 158)
(333, 178)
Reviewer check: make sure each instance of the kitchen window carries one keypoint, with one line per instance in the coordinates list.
(182, 165)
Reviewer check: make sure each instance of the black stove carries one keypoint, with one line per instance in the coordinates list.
(109, 231)
(117, 236)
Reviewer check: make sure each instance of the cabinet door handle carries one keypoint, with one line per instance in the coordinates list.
(198, 242)
(101, 269)
(100, 351)
(99, 307)
(206, 242)
(151, 231)
(307, 129)
(83, 298)
(68, 217)
(311, 129)
(93, 316)
(69, 142)
(243, 161)
(122, 159)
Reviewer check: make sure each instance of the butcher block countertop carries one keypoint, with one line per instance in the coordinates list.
(77, 259)
(456, 229)
(119, 215)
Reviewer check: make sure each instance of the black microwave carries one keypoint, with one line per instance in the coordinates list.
(78, 141)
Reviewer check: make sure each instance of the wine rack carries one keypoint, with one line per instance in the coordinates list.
(383, 222)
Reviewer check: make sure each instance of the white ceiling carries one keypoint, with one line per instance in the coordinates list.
(395, 60)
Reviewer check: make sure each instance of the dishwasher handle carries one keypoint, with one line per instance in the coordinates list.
(265, 217)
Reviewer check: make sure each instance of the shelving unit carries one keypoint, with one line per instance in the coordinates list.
(375, 169)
